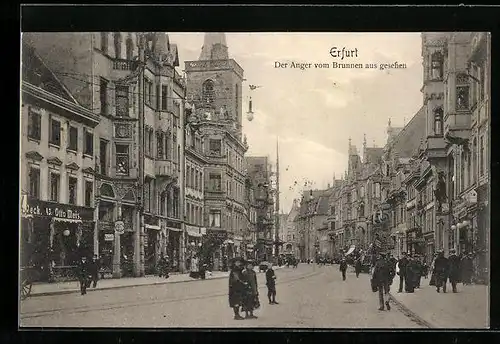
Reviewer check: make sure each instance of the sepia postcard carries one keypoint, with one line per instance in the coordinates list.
(316, 180)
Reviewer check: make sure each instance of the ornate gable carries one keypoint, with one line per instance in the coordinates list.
(89, 170)
(33, 155)
(35, 72)
(54, 161)
(73, 166)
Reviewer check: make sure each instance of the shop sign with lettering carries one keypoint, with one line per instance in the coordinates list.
(36, 207)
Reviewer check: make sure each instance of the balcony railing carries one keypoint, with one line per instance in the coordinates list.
(166, 168)
(120, 64)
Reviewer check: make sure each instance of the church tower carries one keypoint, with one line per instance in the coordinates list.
(214, 83)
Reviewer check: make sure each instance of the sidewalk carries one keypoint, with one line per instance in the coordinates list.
(44, 289)
(466, 309)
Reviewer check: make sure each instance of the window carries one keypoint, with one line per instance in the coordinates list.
(89, 143)
(168, 147)
(157, 97)
(72, 186)
(34, 125)
(150, 141)
(176, 149)
(118, 45)
(196, 181)
(481, 156)
(438, 121)
(164, 97)
(104, 42)
(188, 179)
(73, 139)
(191, 178)
(148, 92)
(377, 190)
(130, 48)
(215, 146)
(34, 180)
(214, 218)
(103, 95)
(215, 182)
(474, 160)
(54, 187)
(89, 192)
(122, 159)
(147, 194)
(362, 191)
(462, 171)
(103, 156)
(55, 132)
(122, 104)
(437, 65)
(159, 145)
(163, 199)
(208, 92)
(462, 92)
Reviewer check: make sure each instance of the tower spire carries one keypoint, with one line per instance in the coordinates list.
(214, 47)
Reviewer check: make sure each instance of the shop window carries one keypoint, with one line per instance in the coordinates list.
(103, 95)
(55, 132)
(215, 182)
(122, 159)
(164, 97)
(54, 187)
(72, 186)
(89, 193)
(34, 125)
(89, 143)
(122, 101)
(208, 92)
(34, 178)
(214, 218)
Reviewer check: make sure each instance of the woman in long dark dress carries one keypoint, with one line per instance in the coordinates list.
(237, 287)
(251, 298)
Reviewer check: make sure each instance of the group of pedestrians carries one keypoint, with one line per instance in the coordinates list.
(88, 273)
(411, 269)
(244, 291)
(454, 268)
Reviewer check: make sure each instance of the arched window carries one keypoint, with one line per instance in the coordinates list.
(118, 45)
(437, 65)
(107, 191)
(438, 121)
(130, 48)
(361, 210)
(208, 92)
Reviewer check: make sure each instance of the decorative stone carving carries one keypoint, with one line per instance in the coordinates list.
(73, 166)
(34, 156)
(54, 161)
(123, 130)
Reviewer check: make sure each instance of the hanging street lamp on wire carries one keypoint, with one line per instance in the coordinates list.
(250, 112)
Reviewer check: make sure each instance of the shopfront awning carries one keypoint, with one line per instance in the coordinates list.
(152, 227)
(351, 250)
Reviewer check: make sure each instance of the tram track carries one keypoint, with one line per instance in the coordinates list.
(138, 303)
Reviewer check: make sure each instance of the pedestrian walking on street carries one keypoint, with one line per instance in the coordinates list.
(380, 280)
(94, 268)
(271, 285)
(467, 267)
(453, 270)
(419, 270)
(237, 287)
(251, 296)
(432, 269)
(83, 274)
(441, 271)
(392, 268)
(402, 271)
(343, 268)
(411, 275)
(357, 267)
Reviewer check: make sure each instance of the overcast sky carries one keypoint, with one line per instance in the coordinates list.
(315, 111)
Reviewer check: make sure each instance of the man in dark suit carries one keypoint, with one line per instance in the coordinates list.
(343, 268)
(83, 274)
(403, 262)
(454, 270)
(380, 278)
(441, 270)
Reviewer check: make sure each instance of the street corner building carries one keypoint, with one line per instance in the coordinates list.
(124, 158)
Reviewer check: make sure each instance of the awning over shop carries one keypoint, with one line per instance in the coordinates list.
(174, 229)
(152, 227)
(351, 250)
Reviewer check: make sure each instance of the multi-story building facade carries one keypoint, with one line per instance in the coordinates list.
(214, 87)
(57, 171)
(259, 179)
(137, 193)
(289, 231)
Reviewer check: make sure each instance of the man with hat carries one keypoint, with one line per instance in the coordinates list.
(402, 263)
(237, 287)
(271, 285)
(441, 271)
(380, 279)
(467, 267)
(251, 297)
(454, 269)
(83, 274)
